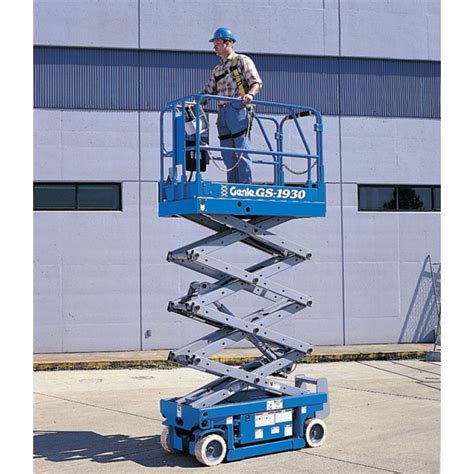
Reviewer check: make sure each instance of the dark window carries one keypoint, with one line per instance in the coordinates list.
(416, 199)
(376, 198)
(54, 196)
(98, 196)
(437, 198)
(77, 196)
(399, 198)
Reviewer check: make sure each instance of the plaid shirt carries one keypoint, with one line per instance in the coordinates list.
(227, 86)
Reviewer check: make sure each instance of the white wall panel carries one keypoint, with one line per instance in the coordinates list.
(420, 235)
(85, 145)
(47, 309)
(405, 29)
(104, 23)
(266, 26)
(392, 151)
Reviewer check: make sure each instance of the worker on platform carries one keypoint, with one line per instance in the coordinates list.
(234, 76)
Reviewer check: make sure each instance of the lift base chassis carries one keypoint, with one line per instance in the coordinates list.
(255, 424)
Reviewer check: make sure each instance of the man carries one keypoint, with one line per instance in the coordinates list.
(235, 76)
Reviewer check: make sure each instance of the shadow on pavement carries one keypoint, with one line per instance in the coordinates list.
(62, 446)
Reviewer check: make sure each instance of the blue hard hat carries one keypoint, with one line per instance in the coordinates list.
(223, 33)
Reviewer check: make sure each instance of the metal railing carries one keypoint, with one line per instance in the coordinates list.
(276, 150)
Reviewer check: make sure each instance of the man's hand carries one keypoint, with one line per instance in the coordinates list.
(247, 99)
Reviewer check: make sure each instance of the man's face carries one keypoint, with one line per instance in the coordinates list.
(220, 47)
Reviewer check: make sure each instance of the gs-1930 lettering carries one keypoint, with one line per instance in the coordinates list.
(263, 192)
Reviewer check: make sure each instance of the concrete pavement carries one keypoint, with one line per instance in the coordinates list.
(385, 418)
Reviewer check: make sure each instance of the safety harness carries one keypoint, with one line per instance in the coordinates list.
(235, 135)
(234, 69)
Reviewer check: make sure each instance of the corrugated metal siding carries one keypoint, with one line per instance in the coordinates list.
(81, 78)
(166, 75)
(390, 88)
(300, 80)
(76, 78)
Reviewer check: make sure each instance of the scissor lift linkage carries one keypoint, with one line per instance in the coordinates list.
(280, 352)
(203, 303)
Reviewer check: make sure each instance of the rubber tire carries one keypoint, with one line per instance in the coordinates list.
(164, 440)
(309, 424)
(201, 446)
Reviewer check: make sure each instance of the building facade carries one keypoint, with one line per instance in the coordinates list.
(102, 71)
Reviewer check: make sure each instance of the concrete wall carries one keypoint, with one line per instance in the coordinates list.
(85, 145)
(405, 29)
(101, 278)
(86, 278)
(89, 23)
(390, 150)
(268, 26)
(384, 263)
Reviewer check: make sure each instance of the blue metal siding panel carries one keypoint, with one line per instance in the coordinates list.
(311, 81)
(431, 90)
(167, 75)
(390, 88)
(76, 78)
(108, 79)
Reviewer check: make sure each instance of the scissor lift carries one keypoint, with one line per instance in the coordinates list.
(252, 409)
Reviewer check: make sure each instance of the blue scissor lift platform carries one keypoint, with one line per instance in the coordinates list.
(249, 410)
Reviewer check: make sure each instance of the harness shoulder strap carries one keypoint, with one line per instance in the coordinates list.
(237, 76)
(217, 77)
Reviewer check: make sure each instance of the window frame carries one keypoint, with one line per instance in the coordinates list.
(397, 197)
(77, 185)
